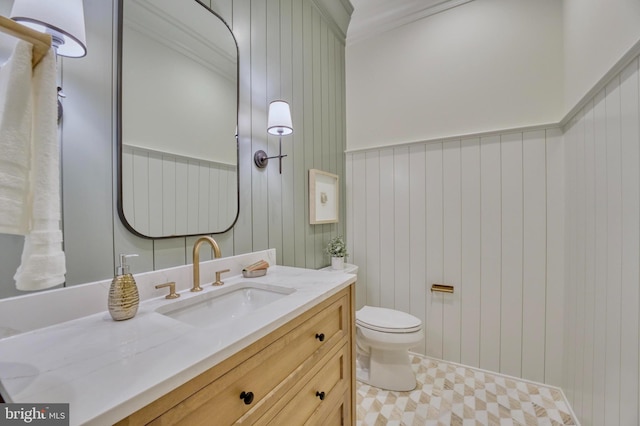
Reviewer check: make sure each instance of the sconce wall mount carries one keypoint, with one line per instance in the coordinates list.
(279, 123)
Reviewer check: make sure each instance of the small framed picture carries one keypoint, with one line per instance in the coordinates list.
(323, 197)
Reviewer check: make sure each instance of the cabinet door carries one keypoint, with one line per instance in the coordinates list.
(320, 394)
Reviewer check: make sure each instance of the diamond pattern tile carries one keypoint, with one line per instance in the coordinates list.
(449, 394)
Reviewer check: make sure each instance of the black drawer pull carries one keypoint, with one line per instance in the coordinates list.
(320, 337)
(320, 395)
(247, 397)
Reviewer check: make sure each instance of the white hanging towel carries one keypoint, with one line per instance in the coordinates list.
(43, 261)
(16, 112)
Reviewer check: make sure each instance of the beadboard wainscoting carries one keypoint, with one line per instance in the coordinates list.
(601, 376)
(484, 214)
(189, 195)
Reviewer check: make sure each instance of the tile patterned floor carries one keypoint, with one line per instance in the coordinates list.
(449, 394)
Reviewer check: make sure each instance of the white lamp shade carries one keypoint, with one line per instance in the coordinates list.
(63, 19)
(279, 122)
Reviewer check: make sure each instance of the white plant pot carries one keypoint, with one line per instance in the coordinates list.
(337, 263)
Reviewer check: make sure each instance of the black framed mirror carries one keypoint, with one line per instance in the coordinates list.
(177, 119)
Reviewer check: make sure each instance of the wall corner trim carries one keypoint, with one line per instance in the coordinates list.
(620, 64)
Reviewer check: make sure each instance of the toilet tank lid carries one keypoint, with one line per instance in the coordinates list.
(387, 319)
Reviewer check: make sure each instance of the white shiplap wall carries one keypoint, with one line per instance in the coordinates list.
(601, 363)
(484, 214)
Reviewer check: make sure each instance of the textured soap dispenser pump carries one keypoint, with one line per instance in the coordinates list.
(123, 293)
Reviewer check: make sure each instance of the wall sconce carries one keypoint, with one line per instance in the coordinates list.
(279, 123)
(62, 19)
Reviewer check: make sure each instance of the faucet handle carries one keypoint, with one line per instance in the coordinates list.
(218, 273)
(172, 290)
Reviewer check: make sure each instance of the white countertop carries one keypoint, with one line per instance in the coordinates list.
(107, 370)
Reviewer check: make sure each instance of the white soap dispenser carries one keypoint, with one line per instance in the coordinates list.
(123, 293)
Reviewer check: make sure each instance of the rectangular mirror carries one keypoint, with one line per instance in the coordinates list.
(178, 111)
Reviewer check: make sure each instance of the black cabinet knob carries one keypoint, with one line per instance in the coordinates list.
(320, 395)
(320, 337)
(247, 397)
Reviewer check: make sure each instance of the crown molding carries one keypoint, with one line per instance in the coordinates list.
(337, 13)
(153, 21)
(385, 19)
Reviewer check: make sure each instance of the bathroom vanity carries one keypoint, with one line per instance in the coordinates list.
(287, 362)
(299, 373)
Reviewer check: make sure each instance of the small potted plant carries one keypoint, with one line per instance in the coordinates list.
(338, 251)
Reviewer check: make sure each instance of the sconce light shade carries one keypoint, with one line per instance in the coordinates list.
(279, 122)
(63, 19)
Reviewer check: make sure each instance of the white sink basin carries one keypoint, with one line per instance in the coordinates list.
(224, 304)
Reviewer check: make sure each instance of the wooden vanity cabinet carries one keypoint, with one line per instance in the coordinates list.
(302, 373)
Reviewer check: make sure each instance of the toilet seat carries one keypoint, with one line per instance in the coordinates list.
(387, 320)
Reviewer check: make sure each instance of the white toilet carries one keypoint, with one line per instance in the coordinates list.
(383, 339)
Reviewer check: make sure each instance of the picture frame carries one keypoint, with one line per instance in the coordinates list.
(324, 197)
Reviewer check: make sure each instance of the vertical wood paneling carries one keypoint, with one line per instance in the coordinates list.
(471, 249)
(417, 236)
(169, 197)
(603, 249)
(402, 291)
(569, 373)
(360, 236)
(534, 255)
(614, 259)
(491, 252)
(387, 231)
(169, 209)
(272, 86)
(372, 272)
(204, 180)
(301, 212)
(579, 258)
(469, 202)
(452, 217)
(435, 242)
(630, 294)
(141, 191)
(599, 362)
(243, 229)
(511, 262)
(316, 123)
(308, 111)
(182, 197)
(127, 190)
(292, 172)
(193, 196)
(216, 214)
(590, 261)
(155, 193)
(555, 259)
(259, 49)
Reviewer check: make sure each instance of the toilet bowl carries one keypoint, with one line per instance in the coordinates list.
(383, 339)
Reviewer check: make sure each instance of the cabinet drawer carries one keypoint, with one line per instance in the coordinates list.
(321, 393)
(338, 415)
(270, 372)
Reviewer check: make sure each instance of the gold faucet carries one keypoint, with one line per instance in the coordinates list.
(196, 259)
